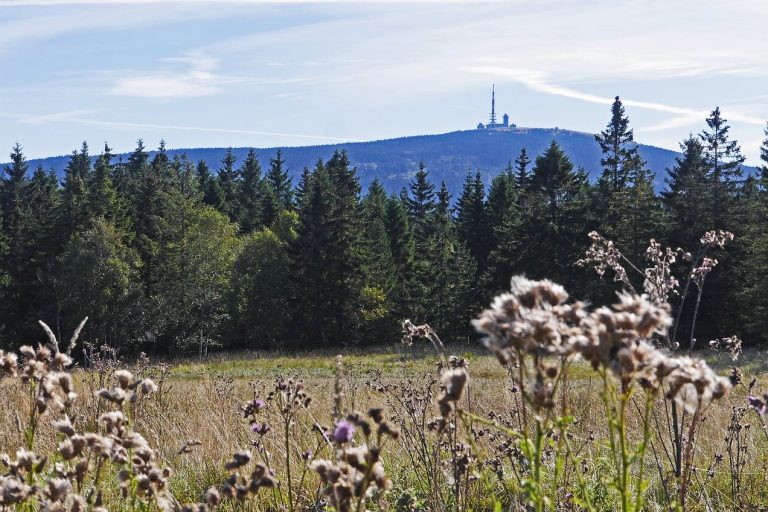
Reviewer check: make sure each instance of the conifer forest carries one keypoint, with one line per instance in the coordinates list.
(168, 256)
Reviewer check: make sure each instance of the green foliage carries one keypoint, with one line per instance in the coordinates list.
(193, 308)
(99, 279)
(259, 294)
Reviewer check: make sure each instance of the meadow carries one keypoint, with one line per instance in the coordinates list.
(195, 423)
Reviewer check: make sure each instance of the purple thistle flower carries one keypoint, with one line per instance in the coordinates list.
(759, 405)
(344, 432)
(258, 404)
(260, 428)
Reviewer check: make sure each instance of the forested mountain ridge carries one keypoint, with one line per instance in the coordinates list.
(448, 156)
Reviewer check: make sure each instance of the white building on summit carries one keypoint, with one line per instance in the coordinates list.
(492, 124)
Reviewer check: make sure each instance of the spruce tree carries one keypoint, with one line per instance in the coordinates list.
(553, 231)
(304, 179)
(378, 264)
(752, 303)
(421, 202)
(688, 183)
(209, 186)
(278, 180)
(402, 249)
(503, 218)
(448, 275)
(380, 273)
(522, 179)
(74, 205)
(251, 194)
(471, 224)
(102, 196)
(324, 266)
(15, 205)
(147, 211)
(723, 157)
(229, 180)
(764, 158)
(618, 147)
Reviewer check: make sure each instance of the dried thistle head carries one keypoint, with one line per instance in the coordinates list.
(730, 345)
(533, 318)
(713, 238)
(603, 254)
(452, 384)
(693, 384)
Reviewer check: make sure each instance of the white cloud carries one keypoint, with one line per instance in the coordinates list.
(198, 80)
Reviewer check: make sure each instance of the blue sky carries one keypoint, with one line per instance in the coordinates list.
(256, 73)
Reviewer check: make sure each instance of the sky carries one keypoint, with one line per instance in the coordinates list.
(285, 73)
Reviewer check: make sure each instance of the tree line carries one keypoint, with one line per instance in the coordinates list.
(166, 255)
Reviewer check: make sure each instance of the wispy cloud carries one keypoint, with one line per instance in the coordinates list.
(76, 117)
(200, 77)
(198, 80)
(536, 82)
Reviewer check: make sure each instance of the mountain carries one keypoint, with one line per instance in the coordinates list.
(447, 156)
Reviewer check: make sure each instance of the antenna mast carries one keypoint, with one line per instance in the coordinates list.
(493, 105)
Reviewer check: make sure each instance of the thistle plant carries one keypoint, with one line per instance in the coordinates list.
(691, 384)
(357, 469)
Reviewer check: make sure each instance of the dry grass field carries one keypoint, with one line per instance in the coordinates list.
(202, 401)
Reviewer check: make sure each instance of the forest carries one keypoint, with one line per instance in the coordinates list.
(166, 255)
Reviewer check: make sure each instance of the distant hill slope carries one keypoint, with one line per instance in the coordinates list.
(447, 156)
